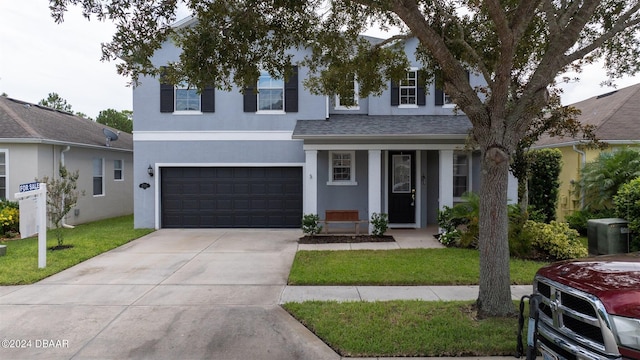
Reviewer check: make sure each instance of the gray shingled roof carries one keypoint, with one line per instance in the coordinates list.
(29, 123)
(615, 114)
(375, 126)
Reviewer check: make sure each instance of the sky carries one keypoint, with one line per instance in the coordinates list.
(38, 57)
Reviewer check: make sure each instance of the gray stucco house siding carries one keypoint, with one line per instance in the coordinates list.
(374, 157)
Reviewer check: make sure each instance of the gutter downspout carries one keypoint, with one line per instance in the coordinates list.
(583, 161)
(64, 224)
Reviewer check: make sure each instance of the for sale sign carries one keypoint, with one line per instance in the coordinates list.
(29, 186)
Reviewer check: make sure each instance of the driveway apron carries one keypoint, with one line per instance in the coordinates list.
(173, 294)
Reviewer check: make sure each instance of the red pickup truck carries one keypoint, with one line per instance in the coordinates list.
(589, 308)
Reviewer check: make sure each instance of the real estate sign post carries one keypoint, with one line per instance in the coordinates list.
(39, 190)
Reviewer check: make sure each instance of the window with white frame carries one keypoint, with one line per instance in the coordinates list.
(117, 170)
(350, 102)
(3, 174)
(98, 177)
(461, 164)
(342, 168)
(270, 93)
(446, 99)
(409, 88)
(187, 98)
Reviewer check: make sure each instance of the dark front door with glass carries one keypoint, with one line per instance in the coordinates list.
(402, 189)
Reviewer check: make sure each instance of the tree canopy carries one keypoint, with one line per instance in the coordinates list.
(518, 47)
(121, 120)
(55, 101)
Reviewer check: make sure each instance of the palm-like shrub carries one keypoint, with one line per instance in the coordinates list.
(600, 179)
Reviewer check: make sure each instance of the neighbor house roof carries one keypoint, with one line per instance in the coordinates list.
(615, 115)
(381, 126)
(23, 122)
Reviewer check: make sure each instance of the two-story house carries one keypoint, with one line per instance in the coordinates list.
(264, 157)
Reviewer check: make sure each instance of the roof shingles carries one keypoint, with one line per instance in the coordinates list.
(29, 122)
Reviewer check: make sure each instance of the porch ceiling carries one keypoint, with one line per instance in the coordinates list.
(379, 126)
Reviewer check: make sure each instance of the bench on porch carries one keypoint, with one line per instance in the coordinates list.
(342, 217)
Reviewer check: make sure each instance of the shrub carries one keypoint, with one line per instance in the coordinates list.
(600, 180)
(579, 218)
(556, 239)
(460, 223)
(380, 223)
(544, 185)
(310, 224)
(627, 206)
(9, 218)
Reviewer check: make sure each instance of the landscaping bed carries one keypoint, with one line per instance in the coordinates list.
(331, 239)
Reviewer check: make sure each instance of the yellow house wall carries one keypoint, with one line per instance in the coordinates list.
(568, 201)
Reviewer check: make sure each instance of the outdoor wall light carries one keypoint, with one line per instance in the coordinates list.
(150, 171)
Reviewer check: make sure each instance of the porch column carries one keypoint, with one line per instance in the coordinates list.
(375, 183)
(310, 182)
(446, 179)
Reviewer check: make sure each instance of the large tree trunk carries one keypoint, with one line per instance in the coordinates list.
(494, 298)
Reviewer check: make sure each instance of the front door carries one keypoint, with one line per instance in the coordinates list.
(402, 189)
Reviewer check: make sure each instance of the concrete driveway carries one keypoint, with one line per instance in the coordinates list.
(173, 294)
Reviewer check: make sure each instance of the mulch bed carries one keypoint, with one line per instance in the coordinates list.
(332, 239)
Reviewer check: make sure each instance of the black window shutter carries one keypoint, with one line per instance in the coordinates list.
(166, 95)
(208, 98)
(395, 93)
(250, 99)
(421, 93)
(291, 92)
(439, 94)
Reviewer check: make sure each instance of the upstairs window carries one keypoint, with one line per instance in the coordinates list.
(342, 167)
(184, 99)
(408, 92)
(351, 101)
(408, 88)
(187, 98)
(270, 93)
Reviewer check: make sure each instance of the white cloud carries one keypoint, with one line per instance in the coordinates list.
(38, 56)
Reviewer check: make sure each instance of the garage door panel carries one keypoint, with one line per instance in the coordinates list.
(231, 197)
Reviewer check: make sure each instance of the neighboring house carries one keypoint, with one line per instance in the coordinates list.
(35, 140)
(616, 117)
(264, 158)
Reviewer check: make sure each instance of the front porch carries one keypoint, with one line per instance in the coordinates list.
(404, 239)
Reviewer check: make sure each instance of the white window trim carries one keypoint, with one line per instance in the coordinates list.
(356, 98)
(175, 102)
(469, 171)
(415, 87)
(94, 175)
(121, 170)
(275, 112)
(352, 181)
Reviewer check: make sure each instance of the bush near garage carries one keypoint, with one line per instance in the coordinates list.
(9, 219)
(528, 239)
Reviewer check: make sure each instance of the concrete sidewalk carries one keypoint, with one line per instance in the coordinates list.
(386, 293)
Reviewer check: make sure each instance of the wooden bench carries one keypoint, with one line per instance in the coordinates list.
(342, 217)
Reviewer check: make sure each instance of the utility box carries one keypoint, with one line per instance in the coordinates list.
(608, 236)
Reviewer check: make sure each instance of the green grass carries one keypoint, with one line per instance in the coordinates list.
(406, 328)
(20, 264)
(449, 266)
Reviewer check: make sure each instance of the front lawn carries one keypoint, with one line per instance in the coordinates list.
(20, 264)
(406, 328)
(449, 266)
